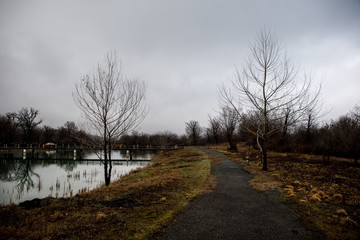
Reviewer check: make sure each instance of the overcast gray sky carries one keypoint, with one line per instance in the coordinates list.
(183, 49)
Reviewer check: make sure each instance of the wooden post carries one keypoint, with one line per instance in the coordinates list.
(247, 161)
(127, 155)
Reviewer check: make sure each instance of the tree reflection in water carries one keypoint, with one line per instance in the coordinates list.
(20, 172)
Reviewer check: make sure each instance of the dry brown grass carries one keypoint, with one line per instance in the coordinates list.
(136, 206)
(262, 181)
(325, 196)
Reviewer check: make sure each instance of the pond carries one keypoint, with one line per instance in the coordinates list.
(56, 174)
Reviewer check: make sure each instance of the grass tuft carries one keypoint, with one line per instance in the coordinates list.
(315, 198)
(297, 183)
(100, 216)
(342, 212)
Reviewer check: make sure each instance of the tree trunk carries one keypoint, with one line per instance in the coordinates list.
(107, 169)
(231, 142)
(194, 138)
(108, 175)
(108, 178)
(106, 160)
(265, 139)
(264, 154)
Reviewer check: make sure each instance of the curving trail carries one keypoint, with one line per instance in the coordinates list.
(236, 211)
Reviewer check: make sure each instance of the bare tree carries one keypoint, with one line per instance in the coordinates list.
(268, 84)
(8, 128)
(346, 131)
(112, 104)
(26, 120)
(193, 130)
(70, 134)
(214, 129)
(229, 123)
(49, 134)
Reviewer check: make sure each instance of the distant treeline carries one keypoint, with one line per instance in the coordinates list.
(23, 129)
(340, 137)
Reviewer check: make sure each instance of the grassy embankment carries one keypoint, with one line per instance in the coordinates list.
(135, 207)
(326, 196)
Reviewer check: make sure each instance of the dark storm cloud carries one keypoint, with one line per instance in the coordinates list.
(182, 49)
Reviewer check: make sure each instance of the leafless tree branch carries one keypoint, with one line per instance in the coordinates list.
(112, 104)
(270, 88)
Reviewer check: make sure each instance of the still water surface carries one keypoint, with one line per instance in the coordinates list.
(55, 174)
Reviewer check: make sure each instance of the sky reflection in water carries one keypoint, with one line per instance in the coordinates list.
(22, 180)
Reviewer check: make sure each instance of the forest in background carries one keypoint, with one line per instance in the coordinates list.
(339, 137)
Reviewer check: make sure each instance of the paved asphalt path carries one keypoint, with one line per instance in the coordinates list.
(236, 211)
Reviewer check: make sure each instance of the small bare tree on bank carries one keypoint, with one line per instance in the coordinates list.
(113, 105)
(268, 86)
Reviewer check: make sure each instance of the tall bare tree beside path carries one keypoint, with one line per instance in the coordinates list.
(269, 87)
(112, 104)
